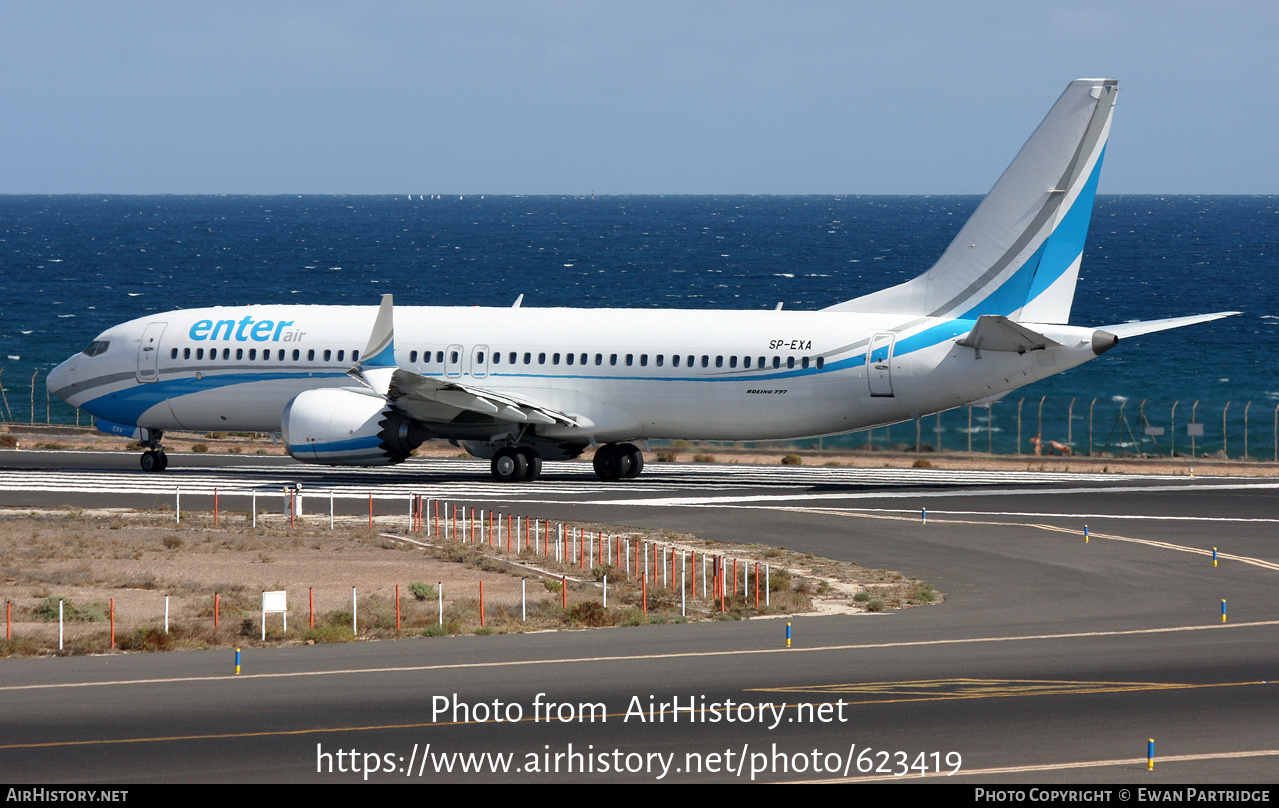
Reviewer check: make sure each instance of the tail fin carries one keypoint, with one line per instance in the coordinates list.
(1018, 255)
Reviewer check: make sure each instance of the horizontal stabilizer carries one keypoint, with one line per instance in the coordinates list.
(996, 333)
(1125, 330)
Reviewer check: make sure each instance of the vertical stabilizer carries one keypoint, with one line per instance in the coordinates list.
(1018, 255)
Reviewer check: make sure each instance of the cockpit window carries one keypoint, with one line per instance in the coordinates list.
(96, 347)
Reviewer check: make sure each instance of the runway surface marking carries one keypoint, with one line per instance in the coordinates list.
(638, 657)
(1160, 762)
(701, 501)
(558, 478)
(953, 689)
(913, 515)
(1163, 545)
(977, 689)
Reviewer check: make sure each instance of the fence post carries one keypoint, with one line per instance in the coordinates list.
(1040, 430)
(1193, 409)
(1070, 426)
(938, 432)
(33, 395)
(1172, 430)
(1020, 401)
(1224, 453)
(1245, 429)
(970, 428)
(1090, 409)
(990, 427)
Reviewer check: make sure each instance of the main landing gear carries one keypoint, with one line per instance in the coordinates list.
(512, 464)
(618, 461)
(154, 458)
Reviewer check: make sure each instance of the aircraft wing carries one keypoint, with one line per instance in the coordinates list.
(408, 389)
(434, 400)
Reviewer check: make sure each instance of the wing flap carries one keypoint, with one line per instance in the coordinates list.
(405, 384)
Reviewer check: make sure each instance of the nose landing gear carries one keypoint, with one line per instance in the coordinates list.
(154, 458)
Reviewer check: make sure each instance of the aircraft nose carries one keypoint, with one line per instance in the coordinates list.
(61, 379)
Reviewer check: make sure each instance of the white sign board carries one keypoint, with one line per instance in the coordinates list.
(275, 603)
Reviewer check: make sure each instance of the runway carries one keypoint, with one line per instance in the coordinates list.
(1051, 660)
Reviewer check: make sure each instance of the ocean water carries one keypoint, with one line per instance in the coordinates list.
(74, 265)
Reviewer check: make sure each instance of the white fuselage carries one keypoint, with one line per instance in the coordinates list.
(624, 374)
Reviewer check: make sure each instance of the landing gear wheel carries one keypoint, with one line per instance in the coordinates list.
(509, 465)
(612, 462)
(164, 460)
(636, 457)
(153, 461)
(534, 461)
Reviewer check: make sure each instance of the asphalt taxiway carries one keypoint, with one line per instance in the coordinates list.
(1051, 659)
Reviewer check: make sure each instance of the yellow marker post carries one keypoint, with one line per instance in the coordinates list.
(1085, 534)
(237, 661)
(1150, 755)
(1214, 556)
(1223, 610)
(788, 635)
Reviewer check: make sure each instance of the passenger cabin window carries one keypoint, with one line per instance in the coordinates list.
(719, 361)
(355, 356)
(412, 356)
(643, 360)
(541, 358)
(790, 361)
(226, 353)
(173, 354)
(555, 359)
(569, 358)
(675, 361)
(804, 363)
(281, 355)
(630, 359)
(660, 359)
(732, 361)
(820, 361)
(612, 359)
(706, 361)
(186, 353)
(777, 362)
(253, 353)
(439, 356)
(599, 359)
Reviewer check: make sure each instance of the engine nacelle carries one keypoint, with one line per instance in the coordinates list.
(345, 428)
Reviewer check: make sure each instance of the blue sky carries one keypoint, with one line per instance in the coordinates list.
(572, 97)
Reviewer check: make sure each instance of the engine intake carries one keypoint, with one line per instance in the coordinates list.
(345, 428)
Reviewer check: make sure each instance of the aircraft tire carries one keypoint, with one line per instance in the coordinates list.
(534, 463)
(151, 461)
(163, 458)
(636, 458)
(509, 465)
(608, 462)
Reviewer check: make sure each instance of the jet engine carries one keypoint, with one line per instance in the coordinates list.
(344, 428)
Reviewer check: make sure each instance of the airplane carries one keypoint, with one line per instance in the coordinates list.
(366, 385)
